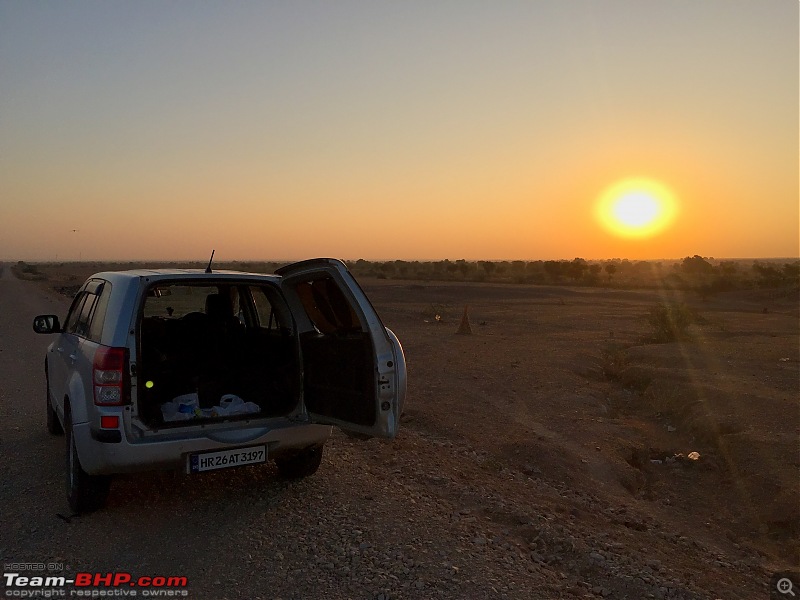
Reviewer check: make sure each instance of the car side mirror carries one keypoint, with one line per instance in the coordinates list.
(46, 324)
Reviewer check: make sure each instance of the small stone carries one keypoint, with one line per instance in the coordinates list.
(597, 557)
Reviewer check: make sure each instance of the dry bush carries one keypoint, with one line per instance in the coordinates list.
(671, 321)
(22, 270)
(613, 360)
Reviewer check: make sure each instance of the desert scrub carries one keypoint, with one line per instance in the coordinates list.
(22, 270)
(613, 360)
(670, 321)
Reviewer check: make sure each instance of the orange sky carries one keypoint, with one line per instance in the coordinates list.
(417, 132)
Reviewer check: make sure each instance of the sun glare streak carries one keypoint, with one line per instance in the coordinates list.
(698, 384)
(636, 208)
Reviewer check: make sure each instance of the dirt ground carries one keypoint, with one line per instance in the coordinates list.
(561, 385)
(558, 427)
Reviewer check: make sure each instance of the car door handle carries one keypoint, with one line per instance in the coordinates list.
(73, 357)
(61, 350)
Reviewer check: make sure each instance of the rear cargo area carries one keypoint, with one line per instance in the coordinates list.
(210, 353)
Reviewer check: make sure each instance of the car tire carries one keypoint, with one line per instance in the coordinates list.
(53, 424)
(299, 464)
(85, 493)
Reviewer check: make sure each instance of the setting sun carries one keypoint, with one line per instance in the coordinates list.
(636, 208)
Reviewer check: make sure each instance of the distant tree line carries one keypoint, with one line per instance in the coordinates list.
(702, 274)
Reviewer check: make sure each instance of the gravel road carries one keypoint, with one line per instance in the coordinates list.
(357, 529)
(425, 516)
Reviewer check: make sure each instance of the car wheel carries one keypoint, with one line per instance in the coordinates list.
(85, 493)
(300, 464)
(53, 424)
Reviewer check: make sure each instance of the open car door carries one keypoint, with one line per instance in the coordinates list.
(353, 367)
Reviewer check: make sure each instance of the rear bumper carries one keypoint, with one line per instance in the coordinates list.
(100, 458)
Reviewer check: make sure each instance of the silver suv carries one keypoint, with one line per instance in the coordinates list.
(208, 370)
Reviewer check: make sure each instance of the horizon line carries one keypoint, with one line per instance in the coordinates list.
(383, 260)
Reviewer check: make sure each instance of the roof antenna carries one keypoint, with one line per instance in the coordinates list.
(208, 268)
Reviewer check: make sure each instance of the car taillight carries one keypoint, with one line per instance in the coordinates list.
(110, 376)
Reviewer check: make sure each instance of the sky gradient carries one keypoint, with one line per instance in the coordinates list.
(377, 130)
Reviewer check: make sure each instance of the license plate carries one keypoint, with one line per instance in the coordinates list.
(224, 459)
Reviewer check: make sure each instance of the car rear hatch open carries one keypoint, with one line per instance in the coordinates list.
(350, 364)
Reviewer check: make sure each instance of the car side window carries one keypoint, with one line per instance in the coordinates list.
(81, 327)
(98, 316)
(272, 313)
(74, 312)
(87, 313)
(236, 304)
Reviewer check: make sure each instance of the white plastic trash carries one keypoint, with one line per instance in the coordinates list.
(180, 408)
(187, 406)
(234, 405)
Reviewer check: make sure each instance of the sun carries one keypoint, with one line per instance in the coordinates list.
(636, 208)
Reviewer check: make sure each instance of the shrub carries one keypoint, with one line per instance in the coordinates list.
(670, 321)
(613, 360)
